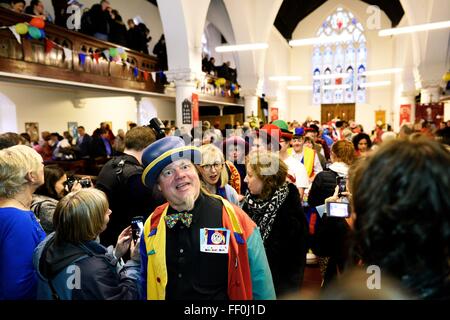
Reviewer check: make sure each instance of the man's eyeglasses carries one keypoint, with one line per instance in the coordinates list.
(209, 167)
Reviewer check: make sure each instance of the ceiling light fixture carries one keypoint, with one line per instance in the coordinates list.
(285, 78)
(416, 28)
(242, 47)
(320, 40)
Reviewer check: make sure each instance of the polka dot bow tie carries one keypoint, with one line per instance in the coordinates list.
(184, 217)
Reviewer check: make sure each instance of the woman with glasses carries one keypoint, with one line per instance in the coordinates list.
(213, 174)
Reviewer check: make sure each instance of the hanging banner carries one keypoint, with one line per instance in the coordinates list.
(195, 109)
(273, 114)
(405, 114)
(380, 117)
(432, 113)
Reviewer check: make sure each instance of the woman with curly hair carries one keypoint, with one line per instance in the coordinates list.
(402, 207)
(362, 144)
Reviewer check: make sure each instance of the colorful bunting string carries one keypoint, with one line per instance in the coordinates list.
(31, 31)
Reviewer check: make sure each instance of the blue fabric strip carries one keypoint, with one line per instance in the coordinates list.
(152, 232)
(239, 238)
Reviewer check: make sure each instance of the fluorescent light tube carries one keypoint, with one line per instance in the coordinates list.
(242, 47)
(416, 28)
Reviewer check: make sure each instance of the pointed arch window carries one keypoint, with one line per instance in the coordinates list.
(338, 66)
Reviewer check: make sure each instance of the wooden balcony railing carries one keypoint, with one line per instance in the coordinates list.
(30, 58)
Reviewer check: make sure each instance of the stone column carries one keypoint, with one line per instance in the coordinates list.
(138, 100)
(250, 102)
(185, 85)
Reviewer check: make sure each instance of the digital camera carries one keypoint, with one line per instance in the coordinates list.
(85, 183)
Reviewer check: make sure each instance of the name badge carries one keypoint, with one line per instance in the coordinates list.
(214, 240)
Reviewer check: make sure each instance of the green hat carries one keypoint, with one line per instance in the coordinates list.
(281, 124)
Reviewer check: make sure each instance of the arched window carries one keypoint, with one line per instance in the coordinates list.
(339, 61)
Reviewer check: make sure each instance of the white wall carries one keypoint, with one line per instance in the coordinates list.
(7, 114)
(213, 37)
(277, 63)
(379, 56)
(128, 10)
(52, 108)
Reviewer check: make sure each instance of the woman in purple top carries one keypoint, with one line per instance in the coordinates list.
(21, 173)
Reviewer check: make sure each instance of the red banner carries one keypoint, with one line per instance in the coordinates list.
(405, 114)
(195, 109)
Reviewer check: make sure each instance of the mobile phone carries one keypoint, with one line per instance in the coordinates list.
(338, 209)
(342, 183)
(137, 226)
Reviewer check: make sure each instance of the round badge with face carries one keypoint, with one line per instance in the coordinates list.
(217, 238)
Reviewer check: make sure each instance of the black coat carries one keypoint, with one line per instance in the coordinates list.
(322, 187)
(286, 245)
(331, 238)
(127, 195)
(83, 147)
(118, 34)
(101, 20)
(97, 148)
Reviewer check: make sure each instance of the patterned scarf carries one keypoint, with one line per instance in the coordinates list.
(264, 212)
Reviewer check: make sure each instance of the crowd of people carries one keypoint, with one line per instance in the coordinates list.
(100, 21)
(223, 71)
(228, 215)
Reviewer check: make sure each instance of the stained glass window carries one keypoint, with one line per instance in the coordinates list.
(346, 57)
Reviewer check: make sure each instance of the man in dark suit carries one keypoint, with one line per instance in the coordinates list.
(83, 142)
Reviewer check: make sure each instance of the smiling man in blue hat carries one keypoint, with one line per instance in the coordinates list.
(197, 246)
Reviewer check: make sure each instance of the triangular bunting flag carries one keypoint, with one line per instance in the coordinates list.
(48, 45)
(82, 57)
(67, 54)
(96, 56)
(14, 32)
(153, 76)
(146, 75)
(106, 53)
(135, 72)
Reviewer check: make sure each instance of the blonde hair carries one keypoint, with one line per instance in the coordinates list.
(15, 163)
(210, 154)
(80, 216)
